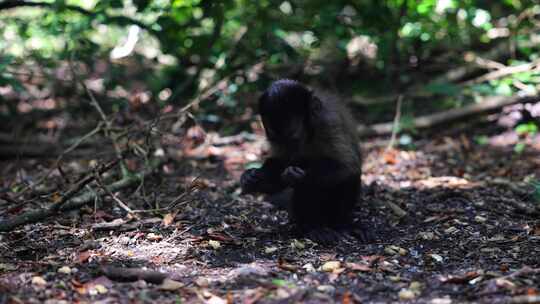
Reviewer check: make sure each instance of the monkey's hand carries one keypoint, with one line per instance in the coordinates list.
(250, 180)
(292, 175)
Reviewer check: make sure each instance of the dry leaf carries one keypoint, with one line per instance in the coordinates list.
(358, 267)
(168, 219)
(170, 285)
(38, 281)
(331, 266)
(214, 244)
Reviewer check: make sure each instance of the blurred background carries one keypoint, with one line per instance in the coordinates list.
(408, 69)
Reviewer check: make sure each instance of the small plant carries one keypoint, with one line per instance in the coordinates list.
(524, 131)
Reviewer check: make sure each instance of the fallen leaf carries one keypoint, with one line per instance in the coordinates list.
(406, 294)
(214, 244)
(461, 279)
(287, 266)
(326, 288)
(153, 237)
(331, 266)
(269, 250)
(38, 281)
(437, 257)
(170, 285)
(358, 267)
(169, 218)
(296, 244)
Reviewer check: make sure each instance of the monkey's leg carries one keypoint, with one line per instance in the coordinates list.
(323, 202)
(281, 200)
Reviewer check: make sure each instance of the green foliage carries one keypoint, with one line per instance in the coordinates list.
(529, 128)
(444, 88)
(198, 43)
(482, 140)
(524, 130)
(6, 77)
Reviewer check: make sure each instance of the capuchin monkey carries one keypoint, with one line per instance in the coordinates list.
(314, 157)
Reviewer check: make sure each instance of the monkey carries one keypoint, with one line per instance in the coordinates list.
(314, 154)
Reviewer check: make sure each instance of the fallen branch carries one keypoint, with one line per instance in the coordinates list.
(109, 130)
(504, 71)
(490, 105)
(112, 195)
(124, 274)
(73, 203)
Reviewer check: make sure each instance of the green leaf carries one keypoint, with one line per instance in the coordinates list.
(519, 147)
(504, 89)
(527, 128)
(482, 140)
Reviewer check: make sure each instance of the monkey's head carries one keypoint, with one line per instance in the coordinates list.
(285, 109)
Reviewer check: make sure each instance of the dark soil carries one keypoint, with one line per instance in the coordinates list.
(471, 234)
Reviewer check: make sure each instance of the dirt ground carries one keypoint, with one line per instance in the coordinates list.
(470, 233)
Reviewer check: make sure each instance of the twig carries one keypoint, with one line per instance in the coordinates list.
(112, 195)
(395, 127)
(506, 71)
(81, 184)
(59, 159)
(526, 270)
(74, 203)
(108, 131)
(488, 63)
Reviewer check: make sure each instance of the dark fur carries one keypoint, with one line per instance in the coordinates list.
(314, 151)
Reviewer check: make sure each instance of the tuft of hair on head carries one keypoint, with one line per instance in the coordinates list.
(285, 89)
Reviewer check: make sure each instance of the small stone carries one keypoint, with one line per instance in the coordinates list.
(38, 281)
(270, 250)
(326, 288)
(406, 294)
(480, 219)
(64, 269)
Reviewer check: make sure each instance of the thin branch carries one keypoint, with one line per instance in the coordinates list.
(60, 157)
(505, 71)
(395, 127)
(112, 195)
(81, 184)
(108, 131)
(73, 203)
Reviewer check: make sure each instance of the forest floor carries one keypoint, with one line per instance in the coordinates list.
(471, 233)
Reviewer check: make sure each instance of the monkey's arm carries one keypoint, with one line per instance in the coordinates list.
(266, 179)
(325, 172)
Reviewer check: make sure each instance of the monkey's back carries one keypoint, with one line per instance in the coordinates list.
(334, 135)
